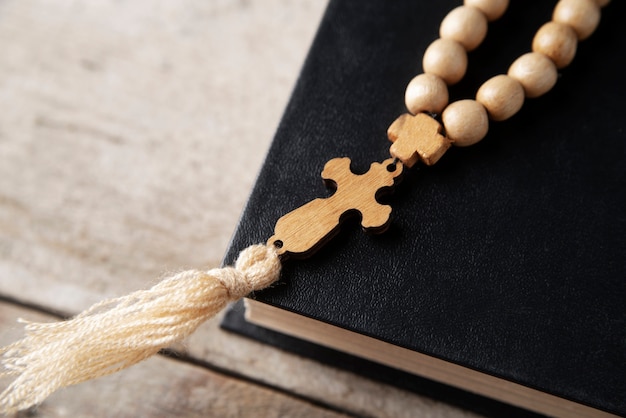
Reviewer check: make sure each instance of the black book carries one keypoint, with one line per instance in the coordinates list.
(503, 271)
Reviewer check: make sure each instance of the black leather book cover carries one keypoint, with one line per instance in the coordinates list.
(507, 257)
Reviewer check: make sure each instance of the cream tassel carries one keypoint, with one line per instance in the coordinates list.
(117, 333)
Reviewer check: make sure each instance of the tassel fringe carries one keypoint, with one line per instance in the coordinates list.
(117, 333)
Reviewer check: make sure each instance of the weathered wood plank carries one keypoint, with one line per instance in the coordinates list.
(161, 387)
(122, 142)
(124, 156)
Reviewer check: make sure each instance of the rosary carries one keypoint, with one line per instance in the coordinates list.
(117, 333)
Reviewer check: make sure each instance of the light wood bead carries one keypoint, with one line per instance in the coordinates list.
(558, 41)
(466, 25)
(582, 15)
(492, 9)
(502, 96)
(447, 59)
(465, 122)
(426, 93)
(536, 72)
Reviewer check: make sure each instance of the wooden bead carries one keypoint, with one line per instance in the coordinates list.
(426, 93)
(502, 96)
(492, 9)
(558, 41)
(447, 59)
(582, 15)
(602, 3)
(465, 122)
(466, 25)
(536, 72)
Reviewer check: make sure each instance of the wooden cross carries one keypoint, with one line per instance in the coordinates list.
(301, 232)
(417, 137)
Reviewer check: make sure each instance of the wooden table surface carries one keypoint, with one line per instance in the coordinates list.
(130, 136)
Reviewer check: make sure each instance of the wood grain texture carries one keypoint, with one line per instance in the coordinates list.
(302, 231)
(124, 156)
(417, 137)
